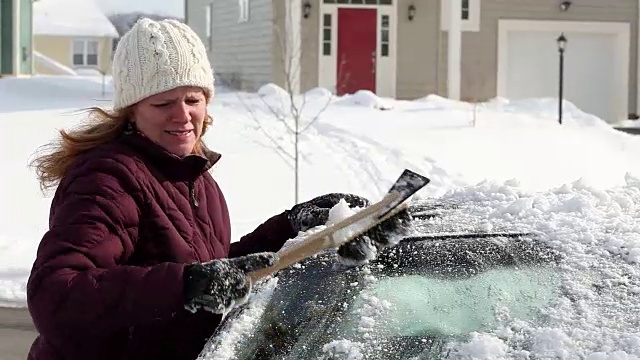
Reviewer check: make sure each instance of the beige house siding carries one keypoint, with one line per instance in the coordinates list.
(418, 53)
(310, 49)
(60, 49)
(422, 46)
(240, 52)
(277, 64)
(479, 49)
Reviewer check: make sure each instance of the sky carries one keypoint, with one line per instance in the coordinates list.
(160, 7)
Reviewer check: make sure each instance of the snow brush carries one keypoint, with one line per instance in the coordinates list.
(351, 227)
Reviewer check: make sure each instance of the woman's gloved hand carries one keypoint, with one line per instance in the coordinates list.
(220, 285)
(366, 246)
(315, 212)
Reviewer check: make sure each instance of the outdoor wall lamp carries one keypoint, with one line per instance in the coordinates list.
(412, 12)
(306, 9)
(565, 5)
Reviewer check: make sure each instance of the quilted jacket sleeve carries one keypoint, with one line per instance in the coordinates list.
(77, 286)
(268, 236)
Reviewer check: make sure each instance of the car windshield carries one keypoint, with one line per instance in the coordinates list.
(407, 304)
(421, 306)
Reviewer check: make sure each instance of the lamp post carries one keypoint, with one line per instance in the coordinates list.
(562, 43)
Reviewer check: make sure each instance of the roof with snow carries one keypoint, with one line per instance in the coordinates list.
(71, 18)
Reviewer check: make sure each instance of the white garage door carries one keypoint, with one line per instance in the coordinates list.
(593, 79)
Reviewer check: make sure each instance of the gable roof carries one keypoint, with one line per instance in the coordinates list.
(71, 18)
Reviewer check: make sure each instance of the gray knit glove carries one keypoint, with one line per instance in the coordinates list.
(366, 246)
(220, 285)
(315, 212)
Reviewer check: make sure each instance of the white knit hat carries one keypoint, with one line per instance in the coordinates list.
(156, 56)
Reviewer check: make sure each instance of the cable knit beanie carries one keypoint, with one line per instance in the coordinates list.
(156, 56)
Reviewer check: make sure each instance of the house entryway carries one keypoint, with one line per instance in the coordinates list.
(356, 50)
(357, 47)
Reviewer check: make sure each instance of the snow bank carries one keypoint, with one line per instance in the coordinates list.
(52, 65)
(54, 92)
(367, 99)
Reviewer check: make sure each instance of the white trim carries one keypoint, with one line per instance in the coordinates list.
(327, 64)
(17, 51)
(208, 26)
(622, 30)
(471, 24)
(243, 11)
(386, 67)
(454, 50)
(293, 43)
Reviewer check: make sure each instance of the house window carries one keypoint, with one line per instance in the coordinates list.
(243, 8)
(326, 34)
(384, 35)
(208, 14)
(359, 2)
(465, 9)
(85, 53)
(469, 14)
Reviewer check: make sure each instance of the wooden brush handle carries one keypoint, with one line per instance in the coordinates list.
(324, 239)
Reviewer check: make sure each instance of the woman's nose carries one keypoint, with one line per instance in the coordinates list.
(180, 112)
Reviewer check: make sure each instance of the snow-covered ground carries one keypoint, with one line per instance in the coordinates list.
(578, 185)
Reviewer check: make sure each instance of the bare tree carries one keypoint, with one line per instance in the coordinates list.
(288, 109)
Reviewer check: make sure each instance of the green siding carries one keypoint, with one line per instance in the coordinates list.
(25, 36)
(6, 24)
(7, 46)
(1, 52)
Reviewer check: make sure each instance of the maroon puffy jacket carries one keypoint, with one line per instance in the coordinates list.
(107, 280)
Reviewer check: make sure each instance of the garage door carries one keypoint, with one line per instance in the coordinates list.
(593, 78)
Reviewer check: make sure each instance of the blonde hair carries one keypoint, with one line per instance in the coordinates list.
(102, 127)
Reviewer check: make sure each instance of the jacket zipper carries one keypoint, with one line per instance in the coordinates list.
(192, 194)
(194, 202)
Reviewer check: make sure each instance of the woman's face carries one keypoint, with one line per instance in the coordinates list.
(173, 119)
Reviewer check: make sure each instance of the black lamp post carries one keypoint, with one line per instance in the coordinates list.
(562, 42)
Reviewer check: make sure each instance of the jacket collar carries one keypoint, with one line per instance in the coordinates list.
(187, 168)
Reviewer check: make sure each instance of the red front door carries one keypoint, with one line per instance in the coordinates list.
(356, 58)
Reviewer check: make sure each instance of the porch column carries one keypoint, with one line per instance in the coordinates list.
(454, 49)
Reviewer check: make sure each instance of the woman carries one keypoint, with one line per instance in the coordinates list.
(139, 236)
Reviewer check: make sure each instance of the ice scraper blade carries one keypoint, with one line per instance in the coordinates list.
(407, 184)
(396, 199)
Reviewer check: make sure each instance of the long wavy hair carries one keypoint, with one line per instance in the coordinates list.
(54, 159)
